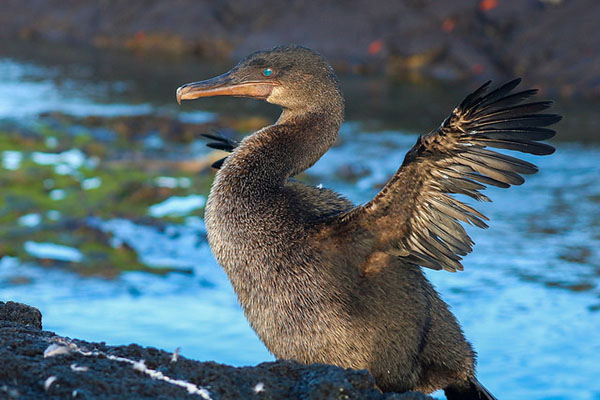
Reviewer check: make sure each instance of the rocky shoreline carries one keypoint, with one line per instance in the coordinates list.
(553, 44)
(39, 364)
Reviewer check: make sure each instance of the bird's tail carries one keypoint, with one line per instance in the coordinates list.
(470, 390)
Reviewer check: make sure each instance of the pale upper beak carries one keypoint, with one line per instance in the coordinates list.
(226, 85)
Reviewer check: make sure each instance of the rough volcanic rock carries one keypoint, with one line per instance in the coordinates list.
(38, 364)
(21, 314)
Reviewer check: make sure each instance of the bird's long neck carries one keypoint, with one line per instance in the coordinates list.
(251, 218)
(294, 143)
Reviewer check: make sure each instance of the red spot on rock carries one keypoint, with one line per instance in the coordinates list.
(375, 47)
(448, 25)
(477, 69)
(488, 5)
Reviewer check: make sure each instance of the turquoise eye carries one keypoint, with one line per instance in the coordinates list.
(267, 72)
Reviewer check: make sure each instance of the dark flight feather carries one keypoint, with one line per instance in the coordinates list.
(220, 142)
(414, 217)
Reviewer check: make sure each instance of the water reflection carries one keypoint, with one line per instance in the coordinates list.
(84, 168)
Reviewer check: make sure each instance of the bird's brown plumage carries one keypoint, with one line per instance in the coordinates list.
(322, 280)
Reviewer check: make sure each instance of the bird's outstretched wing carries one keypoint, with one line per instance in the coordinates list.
(415, 215)
(220, 142)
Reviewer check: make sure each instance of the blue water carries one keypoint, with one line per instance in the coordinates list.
(528, 300)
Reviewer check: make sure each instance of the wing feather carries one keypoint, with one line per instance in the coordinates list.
(220, 142)
(415, 216)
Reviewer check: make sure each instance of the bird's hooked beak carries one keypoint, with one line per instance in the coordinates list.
(226, 85)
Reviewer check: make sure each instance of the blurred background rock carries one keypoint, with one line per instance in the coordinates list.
(553, 44)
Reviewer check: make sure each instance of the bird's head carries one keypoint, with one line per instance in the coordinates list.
(293, 77)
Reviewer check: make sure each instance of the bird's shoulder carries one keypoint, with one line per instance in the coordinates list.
(314, 203)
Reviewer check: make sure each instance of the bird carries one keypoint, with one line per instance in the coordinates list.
(322, 280)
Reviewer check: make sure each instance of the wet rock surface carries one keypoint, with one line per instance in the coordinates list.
(39, 365)
(553, 44)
